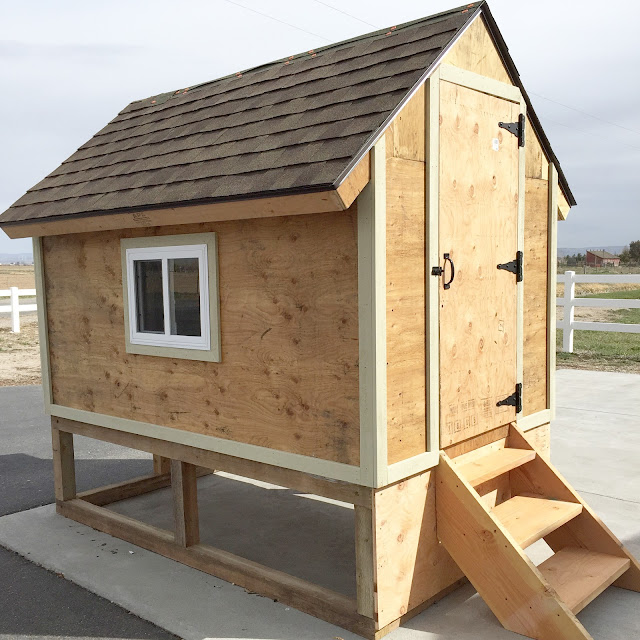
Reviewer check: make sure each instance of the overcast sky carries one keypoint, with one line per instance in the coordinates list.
(68, 67)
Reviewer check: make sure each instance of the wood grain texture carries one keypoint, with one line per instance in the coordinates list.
(288, 379)
(64, 469)
(478, 228)
(579, 576)
(529, 519)
(534, 392)
(411, 566)
(540, 437)
(161, 465)
(290, 478)
(504, 576)
(365, 565)
(184, 489)
(355, 182)
(407, 130)
(406, 306)
(236, 210)
(587, 530)
(289, 590)
(536, 163)
(476, 52)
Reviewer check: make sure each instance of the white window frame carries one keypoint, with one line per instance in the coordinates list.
(202, 246)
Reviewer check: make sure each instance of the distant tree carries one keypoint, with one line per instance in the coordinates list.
(634, 251)
(625, 256)
(579, 258)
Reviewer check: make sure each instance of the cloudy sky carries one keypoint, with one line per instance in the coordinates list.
(68, 67)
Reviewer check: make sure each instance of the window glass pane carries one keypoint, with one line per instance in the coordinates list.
(184, 296)
(149, 306)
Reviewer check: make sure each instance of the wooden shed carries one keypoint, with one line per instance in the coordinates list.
(602, 259)
(334, 273)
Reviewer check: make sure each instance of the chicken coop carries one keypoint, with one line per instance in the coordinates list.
(333, 273)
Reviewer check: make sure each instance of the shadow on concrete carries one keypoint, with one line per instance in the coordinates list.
(27, 481)
(303, 536)
(64, 610)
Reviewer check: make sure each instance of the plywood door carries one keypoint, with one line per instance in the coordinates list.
(478, 228)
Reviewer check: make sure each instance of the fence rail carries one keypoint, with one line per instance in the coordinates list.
(568, 324)
(14, 307)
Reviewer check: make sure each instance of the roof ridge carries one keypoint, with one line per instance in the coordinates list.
(167, 95)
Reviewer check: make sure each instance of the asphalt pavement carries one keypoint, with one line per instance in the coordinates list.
(34, 601)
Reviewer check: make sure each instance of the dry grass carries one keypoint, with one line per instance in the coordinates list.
(590, 288)
(19, 352)
(19, 276)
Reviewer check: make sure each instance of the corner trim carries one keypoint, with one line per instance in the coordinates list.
(432, 220)
(552, 274)
(372, 319)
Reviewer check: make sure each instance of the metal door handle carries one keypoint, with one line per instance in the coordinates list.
(447, 285)
(439, 271)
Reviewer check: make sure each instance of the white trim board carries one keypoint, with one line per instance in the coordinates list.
(372, 319)
(477, 82)
(284, 459)
(534, 420)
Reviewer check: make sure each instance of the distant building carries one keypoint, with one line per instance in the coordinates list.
(602, 259)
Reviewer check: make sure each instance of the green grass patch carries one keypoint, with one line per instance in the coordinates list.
(633, 294)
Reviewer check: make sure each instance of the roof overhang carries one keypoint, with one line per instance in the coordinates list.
(321, 201)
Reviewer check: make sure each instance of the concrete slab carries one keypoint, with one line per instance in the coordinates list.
(594, 443)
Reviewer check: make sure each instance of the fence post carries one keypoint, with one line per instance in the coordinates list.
(15, 310)
(569, 297)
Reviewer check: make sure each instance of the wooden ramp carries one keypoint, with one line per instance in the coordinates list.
(492, 508)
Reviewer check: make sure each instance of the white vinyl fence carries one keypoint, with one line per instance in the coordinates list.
(570, 302)
(14, 305)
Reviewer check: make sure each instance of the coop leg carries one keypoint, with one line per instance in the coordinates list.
(161, 465)
(64, 471)
(364, 561)
(185, 503)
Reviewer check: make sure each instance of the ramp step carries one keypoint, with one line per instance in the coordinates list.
(528, 518)
(579, 575)
(494, 464)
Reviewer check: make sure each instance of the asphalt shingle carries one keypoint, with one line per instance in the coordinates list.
(291, 125)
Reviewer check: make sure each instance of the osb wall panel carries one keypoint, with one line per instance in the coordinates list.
(411, 565)
(534, 393)
(288, 379)
(406, 304)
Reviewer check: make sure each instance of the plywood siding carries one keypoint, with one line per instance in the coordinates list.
(534, 397)
(411, 565)
(406, 303)
(288, 379)
(475, 51)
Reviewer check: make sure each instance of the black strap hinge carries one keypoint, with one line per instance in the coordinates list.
(514, 400)
(516, 128)
(515, 266)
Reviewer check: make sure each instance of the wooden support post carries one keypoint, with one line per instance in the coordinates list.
(365, 557)
(161, 465)
(64, 471)
(185, 503)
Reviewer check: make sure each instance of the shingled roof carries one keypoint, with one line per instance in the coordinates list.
(292, 126)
